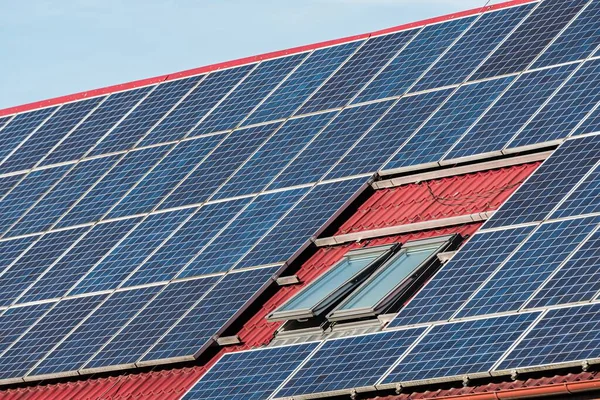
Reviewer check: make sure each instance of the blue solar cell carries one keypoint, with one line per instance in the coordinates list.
(132, 251)
(250, 375)
(145, 115)
(4, 121)
(38, 145)
(128, 345)
(529, 267)
(351, 362)
(38, 258)
(549, 184)
(211, 314)
(85, 136)
(243, 233)
(19, 128)
(512, 110)
(88, 338)
(357, 71)
(123, 176)
(476, 44)
(389, 134)
(461, 277)
(530, 38)
(577, 42)
(591, 124)
(562, 335)
(578, 280)
(564, 111)
(59, 199)
(461, 348)
(302, 221)
(317, 67)
(11, 249)
(45, 334)
(331, 144)
(187, 242)
(274, 155)
(219, 165)
(7, 183)
(245, 97)
(165, 176)
(196, 105)
(15, 321)
(585, 199)
(78, 260)
(26, 193)
(449, 123)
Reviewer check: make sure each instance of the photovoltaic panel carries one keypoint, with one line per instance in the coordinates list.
(62, 196)
(585, 199)
(274, 155)
(529, 267)
(531, 38)
(48, 135)
(129, 344)
(442, 296)
(331, 144)
(196, 105)
(578, 280)
(165, 176)
(73, 265)
(83, 342)
(15, 321)
(461, 348)
(8, 182)
(211, 314)
(11, 249)
(145, 115)
(4, 121)
(315, 69)
(357, 71)
(129, 254)
(413, 61)
(251, 91)
(512, 110)
(303, 221)
(245, 230)
(45, 334)
(549, 183)
(591, 124)
(447, 125)
(351, 362)
(189, 240)
(389, 134)
(115, 184)
(562, 335)
(229, 156)
(85, 136)
(577, 42)
(558, 118)
(250, 375)
(477, 43)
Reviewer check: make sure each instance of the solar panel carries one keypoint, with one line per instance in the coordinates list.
(352, 362)
(540, 255)
(461, 348)
(549, 184)
(562, 335)
(7, 183)
(442, 296)
(583, 200)
(11, 249)
(251, 375)
(15, 321)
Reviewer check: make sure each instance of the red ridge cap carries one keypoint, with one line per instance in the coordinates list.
(249, 60)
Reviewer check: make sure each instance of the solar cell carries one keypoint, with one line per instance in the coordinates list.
(351, 362)
(15, 321)
(7, 183)
(461, 348)
(562, 335)
(530, 38)
(357, 71)
(210, 315)
(541, 254)
(590, 124)
(443, 295)
(251, 375)
(549, 184)
(585, 199)
(11, 249)
(449, 123)
(4, 121)
(511, 111)
(406, 68)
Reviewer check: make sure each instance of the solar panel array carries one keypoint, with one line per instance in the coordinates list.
(142, 221)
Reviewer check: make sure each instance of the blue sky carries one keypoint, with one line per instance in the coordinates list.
(51, 48)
